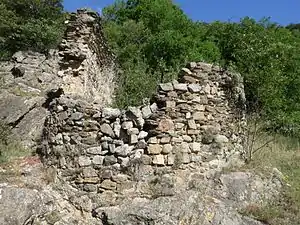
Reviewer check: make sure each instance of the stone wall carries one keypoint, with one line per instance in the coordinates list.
(196, 121)
(87, 66)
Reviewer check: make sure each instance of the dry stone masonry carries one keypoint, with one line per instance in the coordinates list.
(196, 121)
(87, 65)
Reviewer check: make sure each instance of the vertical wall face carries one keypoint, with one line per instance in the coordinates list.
(87, 66)
(196, 121)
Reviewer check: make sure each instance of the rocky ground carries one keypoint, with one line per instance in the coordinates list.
(32, 194)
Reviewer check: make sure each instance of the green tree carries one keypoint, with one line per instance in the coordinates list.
(156, 34)
(30, 25)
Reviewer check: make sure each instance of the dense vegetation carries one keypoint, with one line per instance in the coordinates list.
(153, 38)
(29, 25)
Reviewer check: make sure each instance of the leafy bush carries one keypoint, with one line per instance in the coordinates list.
(152, 39)
(30, 25)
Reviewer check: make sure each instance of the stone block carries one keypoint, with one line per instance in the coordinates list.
(159, 160)
(167, 149)
(199, 116)
(180, 87)
(111, 113)
(194, 88)
(165, 140)
(153, 140)
(154, 149)
(108, 185)
(166, 87)
(171, 159)
(110, 160)
(133, 139)
(106, 129)
(84, 161)
(146, 111)
(94, 150)
(192, 124)
(186, 158)
(89, 172)
(98, 160)
(127, 125)
(142, 135)
(196, 147)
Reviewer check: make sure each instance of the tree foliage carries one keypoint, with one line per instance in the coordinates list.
(29, 25)
(153, 37)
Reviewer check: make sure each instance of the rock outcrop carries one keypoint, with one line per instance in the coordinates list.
(82, 67)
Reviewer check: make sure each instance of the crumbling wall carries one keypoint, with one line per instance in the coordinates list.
(87, 66)
(194, 122)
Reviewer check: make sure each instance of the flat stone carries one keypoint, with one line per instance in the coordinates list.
(179, 125)
(94, 150)
(187, 138)
(132, 131)
(192, 65)
(171, 160)
(154, 107)
(192, 124)
(186, 71)
(184, 147)
(146, 111)
(196, 158)
(124, 150)
(133, 139)
(189, 79)
(170, 104)
(110, 160)
(166, 87)
(142, 144)
(193, 132)
(154, 149)
(159, 160)
(108, 185)
(152, 140)
(84, 161)
(180, 87)
(221, 139)
(177, 140)
(89, 172)
(167, 149)
(98, 160)
(112, 148)
(194, 88)
(199, 116)
(165, 125)
(142, 135)
(196, 147)
(186, 158)
(206, 89)
(127, 125)
(165, 140)
(146, 160)
(123, 161)
(76, 116)
(106, 129)
(111, 113)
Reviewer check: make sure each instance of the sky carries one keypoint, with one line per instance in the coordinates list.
(281, 11)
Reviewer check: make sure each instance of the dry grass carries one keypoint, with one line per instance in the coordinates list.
(283, 153)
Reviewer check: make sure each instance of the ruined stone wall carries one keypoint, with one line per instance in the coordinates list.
(87, 67)
(194, 122)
